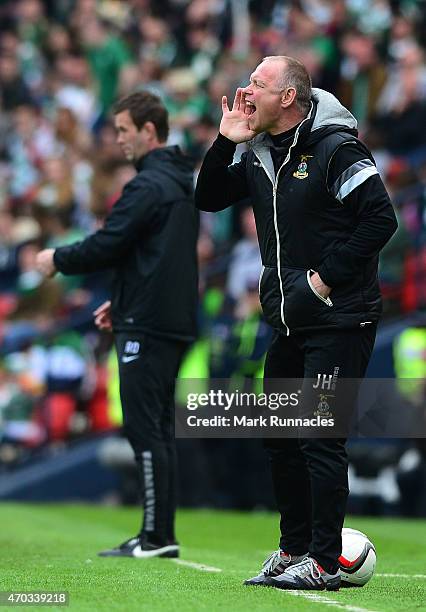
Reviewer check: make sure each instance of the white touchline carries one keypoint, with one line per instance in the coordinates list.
(421, 576)
(326, 601)
(198, 566)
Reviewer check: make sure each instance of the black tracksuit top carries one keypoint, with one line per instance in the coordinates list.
(149, 241)
(324, 209)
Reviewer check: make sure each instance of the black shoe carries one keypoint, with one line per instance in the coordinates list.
(274, 565)
(140, 548)
(307, 575)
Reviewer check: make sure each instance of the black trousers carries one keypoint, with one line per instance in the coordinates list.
(148, 367)
(310, 475)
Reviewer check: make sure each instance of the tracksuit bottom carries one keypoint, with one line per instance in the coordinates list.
(148, 367)
(310, 475)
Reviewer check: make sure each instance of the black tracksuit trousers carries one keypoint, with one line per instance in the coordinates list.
(148, 367)
(310, 476)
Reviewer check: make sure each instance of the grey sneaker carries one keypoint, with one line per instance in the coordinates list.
(274, 565)
(308, 575)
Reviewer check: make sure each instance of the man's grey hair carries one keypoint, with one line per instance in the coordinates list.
(294, 74)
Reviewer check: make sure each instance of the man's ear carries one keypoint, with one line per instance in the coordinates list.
(150, 130)
(288, 96)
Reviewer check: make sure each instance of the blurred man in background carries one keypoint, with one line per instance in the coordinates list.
(149, 240)
(322, 216)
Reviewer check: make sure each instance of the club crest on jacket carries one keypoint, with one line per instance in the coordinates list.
(302, 168)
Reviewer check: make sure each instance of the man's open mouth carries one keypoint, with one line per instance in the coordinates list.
(251, 107)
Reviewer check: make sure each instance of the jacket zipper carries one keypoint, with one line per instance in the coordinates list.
(319, 296)
(277, 235)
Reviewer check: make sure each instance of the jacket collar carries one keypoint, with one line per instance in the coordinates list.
(261, 144)
(160, 153)
(325, 115)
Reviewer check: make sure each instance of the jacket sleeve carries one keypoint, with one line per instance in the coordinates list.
(134, 212)
(355, 182)
(220, 184)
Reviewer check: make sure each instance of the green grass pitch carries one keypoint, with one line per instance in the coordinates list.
(53, 547)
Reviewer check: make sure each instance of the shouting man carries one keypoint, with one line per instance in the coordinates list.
(322, 216)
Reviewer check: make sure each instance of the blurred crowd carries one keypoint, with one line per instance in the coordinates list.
(63, 63)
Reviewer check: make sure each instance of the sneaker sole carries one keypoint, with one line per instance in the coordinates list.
(261, 583)
(331, 585)
(169, 552)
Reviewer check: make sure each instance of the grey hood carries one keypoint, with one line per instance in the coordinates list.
(330, 111)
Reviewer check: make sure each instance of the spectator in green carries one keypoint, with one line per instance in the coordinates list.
(186, 103)
(106, 53)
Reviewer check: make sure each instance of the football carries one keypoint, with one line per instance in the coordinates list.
(358, 559)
